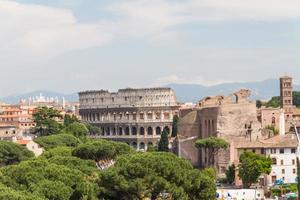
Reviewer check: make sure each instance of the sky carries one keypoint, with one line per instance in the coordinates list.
(73, 45)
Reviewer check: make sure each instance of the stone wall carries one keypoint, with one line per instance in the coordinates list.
(135, 116)
(150, 97)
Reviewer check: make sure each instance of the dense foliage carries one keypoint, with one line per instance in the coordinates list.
(156, 175)
(11, 153)
(275, 101)
(58, 140)
(296, 98)
(230, 174)
(46, 120)
(252, 166)
(101, 150)
(74, 167)
(163, 144)
(273, 129)
(175, 126)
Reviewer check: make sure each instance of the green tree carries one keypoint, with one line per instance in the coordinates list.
(101, 149)
(46, 121)
(58, 151)
(33, 175)
(69, 119)
(77, 129)
(93, 130)
(7, 193)
(252, 166)
(163, 144)
(273, 129)
(54, 190)
(58, 140)
(296, 98)
(259, 103)
(213, 145)
(230, 174)
(11, 153)
(155, 175)
(85, 166)
(274, 102)
(175, 126)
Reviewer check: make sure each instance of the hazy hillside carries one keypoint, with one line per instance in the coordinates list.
(260, 90)
(14, 99)
(263, 90)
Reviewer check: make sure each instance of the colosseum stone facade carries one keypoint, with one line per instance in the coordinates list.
(134, 116)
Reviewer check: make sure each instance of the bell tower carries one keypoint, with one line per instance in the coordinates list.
(286, 93)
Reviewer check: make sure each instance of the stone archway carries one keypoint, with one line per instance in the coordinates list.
(120, 131)
(127, 131)
(142, 146)
(142, 131)
(158, 130)
(134, 130)
(149, 130)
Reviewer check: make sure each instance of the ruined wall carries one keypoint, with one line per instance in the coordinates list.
(188, 133)
(146, 97)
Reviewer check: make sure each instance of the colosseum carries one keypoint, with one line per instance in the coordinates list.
(134, 116)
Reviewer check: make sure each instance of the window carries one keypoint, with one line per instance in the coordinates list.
(141, 115)
(273, 150)
(294, 171)
(281, 151)
(281, 162)
(274, 161)
(293, 162)
(283, 171)
(293, 150)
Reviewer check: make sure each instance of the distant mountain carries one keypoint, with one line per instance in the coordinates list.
(14, 99)
(263, 90)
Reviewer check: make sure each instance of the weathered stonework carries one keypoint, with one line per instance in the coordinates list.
(233, 118)
(135, 116)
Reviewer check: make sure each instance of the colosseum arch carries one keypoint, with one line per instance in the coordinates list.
(108, 131)
(134, 145)
(158, 130)
(134, 130)
(150, 130)
(127, 131)
(120, 131)
(142, 131)
(142, 146)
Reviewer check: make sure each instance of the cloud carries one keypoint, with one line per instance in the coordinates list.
(32, 32)
(189, 80)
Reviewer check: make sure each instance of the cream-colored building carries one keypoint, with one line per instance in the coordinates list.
(135, 116)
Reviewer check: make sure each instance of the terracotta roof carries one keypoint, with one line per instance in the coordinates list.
(23, 142)
(296, 111)
(279, 141)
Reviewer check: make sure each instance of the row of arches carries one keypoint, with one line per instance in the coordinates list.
(142, 146)
(134, 130)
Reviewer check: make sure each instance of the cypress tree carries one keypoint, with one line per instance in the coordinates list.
(163, 144)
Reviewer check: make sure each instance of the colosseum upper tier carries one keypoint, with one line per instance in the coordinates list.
(135, 116)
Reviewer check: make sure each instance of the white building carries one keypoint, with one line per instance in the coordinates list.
(282, 150)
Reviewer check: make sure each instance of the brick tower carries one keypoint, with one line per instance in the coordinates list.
(286, 93)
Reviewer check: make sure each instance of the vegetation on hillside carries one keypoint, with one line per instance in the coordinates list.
(69, 168)
(274, 102)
